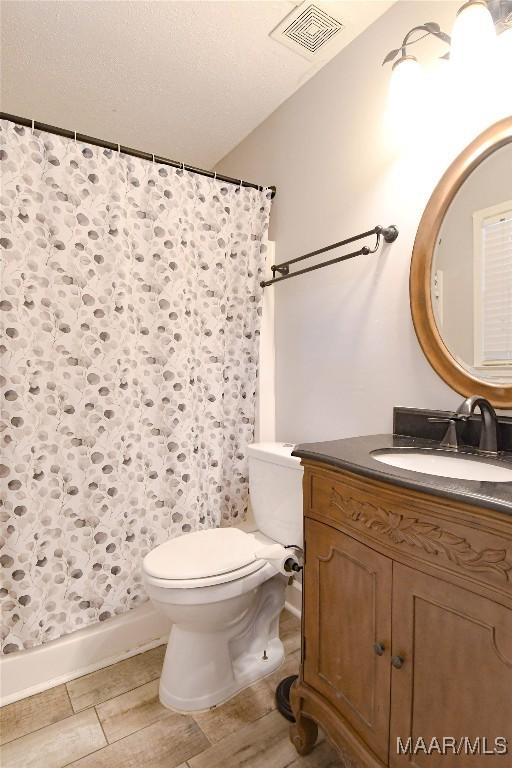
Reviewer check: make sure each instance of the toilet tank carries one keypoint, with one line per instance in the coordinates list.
(275, 487)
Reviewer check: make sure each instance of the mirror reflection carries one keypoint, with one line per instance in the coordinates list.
(471, 278)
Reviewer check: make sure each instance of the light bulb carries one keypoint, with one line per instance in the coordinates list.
(473, 36)
(405, 85)
(405, 93)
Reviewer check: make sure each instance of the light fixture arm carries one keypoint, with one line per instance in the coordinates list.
(428, 28)
(501, 12)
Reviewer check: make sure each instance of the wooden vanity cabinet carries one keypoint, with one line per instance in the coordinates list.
(458, 681)
(340, 661)
(406, 626)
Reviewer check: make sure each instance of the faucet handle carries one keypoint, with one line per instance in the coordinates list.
(450, 440)
(448, 419)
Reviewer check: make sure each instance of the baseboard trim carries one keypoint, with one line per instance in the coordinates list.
(292, 609)
(293, 598)
(34, 670)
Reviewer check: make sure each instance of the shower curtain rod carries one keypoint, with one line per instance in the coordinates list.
(35, 124)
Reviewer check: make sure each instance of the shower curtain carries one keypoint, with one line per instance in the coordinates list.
(130, 305)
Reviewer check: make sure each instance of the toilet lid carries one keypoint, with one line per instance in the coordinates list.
(202, 554)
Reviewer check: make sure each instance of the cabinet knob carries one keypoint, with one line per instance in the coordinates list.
(397, 662)
(379, 648)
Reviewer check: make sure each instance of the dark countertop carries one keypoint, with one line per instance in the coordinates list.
(354, 455)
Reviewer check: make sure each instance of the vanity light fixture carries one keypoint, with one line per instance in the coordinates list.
(405, 87)
(473, 35)
(473, 40)
(406, 63)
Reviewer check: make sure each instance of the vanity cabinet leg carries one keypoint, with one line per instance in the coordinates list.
(304, 732)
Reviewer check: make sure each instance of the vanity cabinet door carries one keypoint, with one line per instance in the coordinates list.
(456, 675)
(347, 629)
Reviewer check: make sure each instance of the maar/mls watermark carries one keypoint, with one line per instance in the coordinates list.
(450, 745)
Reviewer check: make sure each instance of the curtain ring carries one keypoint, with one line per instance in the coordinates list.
(75, 136)
(118, 149)
(241, 184)
(215, 175)
(183, 167)
(153, 157)
(33, 127)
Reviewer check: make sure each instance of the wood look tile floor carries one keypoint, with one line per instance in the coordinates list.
(112, 719)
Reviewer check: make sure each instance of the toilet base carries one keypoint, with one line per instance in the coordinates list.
(247, 670)
(217, 649)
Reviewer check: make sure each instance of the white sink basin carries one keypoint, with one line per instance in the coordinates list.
(444, 465)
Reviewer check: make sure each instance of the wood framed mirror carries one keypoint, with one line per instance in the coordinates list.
(461, 270)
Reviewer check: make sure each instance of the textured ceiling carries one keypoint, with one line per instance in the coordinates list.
(188, 80)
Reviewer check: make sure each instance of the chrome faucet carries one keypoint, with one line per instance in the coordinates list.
(489, 428)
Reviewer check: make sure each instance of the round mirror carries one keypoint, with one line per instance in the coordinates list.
(461, 270)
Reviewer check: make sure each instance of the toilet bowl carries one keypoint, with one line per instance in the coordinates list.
(222, 595)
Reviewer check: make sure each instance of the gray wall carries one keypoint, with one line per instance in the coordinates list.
(346, 351)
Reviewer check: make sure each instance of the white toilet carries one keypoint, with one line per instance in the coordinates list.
(223, 595)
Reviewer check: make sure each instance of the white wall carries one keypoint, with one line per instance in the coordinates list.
(346, 351)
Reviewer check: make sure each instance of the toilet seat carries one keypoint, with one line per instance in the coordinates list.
(207, 581)
(204, 558)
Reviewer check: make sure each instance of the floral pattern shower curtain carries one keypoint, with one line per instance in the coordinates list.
(130, 305)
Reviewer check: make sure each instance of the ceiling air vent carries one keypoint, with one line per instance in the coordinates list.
(308, 30)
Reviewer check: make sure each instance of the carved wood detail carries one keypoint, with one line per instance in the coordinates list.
(429, 537)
